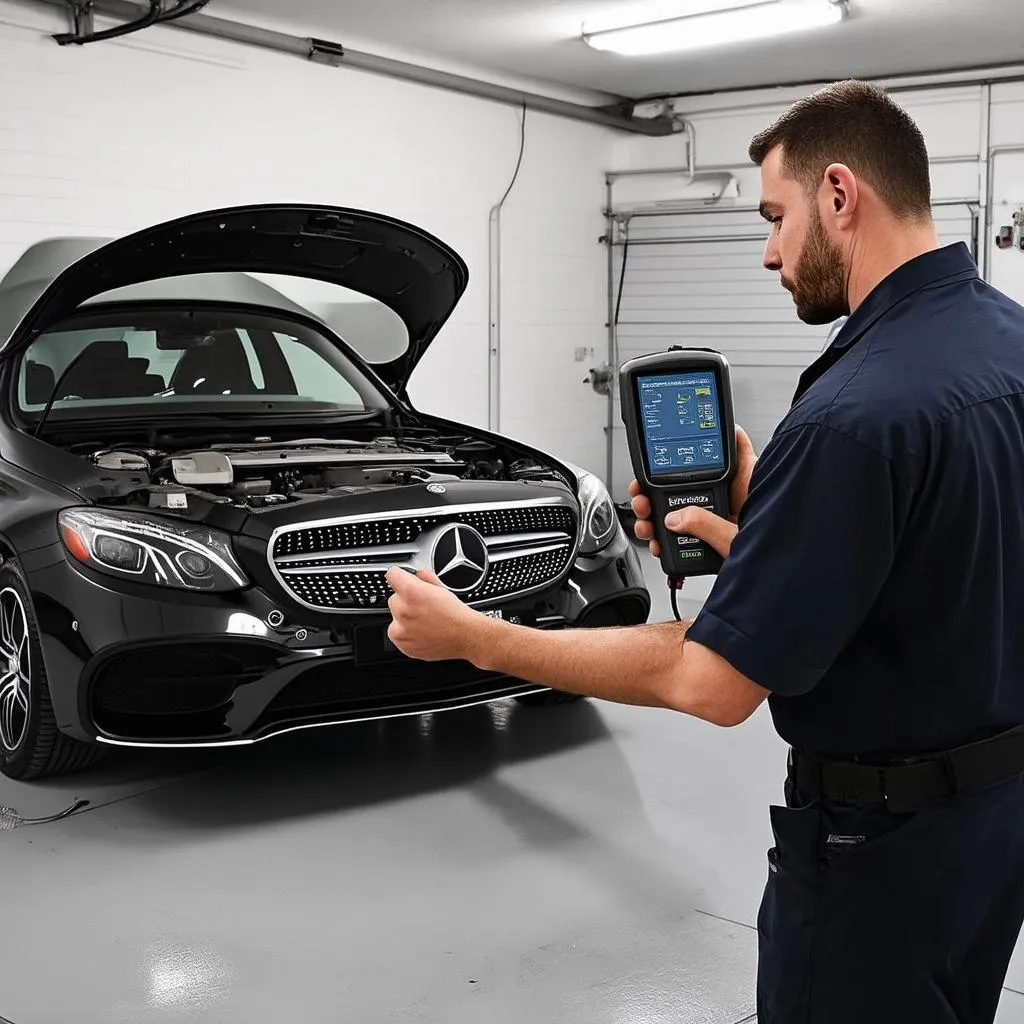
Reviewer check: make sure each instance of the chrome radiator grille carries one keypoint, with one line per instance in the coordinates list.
(340, 565)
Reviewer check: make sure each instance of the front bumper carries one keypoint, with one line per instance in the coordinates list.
(129, 665)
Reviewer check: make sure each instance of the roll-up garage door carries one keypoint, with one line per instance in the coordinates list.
(696, 278)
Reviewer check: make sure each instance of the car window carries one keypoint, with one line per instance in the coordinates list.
(311, 373)
(180, 358)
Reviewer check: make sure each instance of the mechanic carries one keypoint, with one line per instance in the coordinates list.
(872, 591)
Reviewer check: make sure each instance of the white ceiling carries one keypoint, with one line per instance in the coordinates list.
(539, 39)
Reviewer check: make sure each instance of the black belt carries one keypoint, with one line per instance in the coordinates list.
(911, 784)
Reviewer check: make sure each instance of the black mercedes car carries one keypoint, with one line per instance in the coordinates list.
(203, 482)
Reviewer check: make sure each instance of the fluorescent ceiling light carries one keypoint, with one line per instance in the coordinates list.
(761, 19)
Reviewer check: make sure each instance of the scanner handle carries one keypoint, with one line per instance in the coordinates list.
(682, 555)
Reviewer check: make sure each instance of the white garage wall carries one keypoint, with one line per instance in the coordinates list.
(965, 128)
(1006, 266)
(106, 138)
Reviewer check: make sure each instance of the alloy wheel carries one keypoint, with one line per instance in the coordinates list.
(15, 670)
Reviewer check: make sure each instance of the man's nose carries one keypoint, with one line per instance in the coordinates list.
(771, 260)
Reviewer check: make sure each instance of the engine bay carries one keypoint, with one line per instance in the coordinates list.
(263, 472)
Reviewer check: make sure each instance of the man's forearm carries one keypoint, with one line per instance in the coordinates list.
(631, 665)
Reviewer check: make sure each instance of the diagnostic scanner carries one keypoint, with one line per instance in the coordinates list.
(677, 409)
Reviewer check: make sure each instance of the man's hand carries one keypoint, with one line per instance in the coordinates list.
(649, 665)
(698, 522)
(431, 623)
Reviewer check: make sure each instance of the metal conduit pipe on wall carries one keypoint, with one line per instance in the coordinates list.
(992, 74)
(334, 54)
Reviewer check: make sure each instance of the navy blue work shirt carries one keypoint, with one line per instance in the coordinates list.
(876, 585)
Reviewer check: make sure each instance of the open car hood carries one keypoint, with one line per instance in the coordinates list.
(408, 270)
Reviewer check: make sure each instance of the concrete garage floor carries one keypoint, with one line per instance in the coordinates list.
(498, 864)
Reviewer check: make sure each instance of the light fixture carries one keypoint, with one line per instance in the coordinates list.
(759, 19)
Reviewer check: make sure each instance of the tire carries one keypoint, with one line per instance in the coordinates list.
(31, 745)
(548, 698)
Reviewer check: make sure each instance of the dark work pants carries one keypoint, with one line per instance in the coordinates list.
(870, 917)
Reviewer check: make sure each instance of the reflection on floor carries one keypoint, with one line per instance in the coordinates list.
(589, 863)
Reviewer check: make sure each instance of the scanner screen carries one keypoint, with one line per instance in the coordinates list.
(682, 422)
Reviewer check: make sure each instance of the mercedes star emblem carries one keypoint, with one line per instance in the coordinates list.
(436, 488)
(459, 559)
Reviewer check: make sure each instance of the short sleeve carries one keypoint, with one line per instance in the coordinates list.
(818, 535)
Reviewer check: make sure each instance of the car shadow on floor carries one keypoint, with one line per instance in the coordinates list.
(464, 784)
(347, 767)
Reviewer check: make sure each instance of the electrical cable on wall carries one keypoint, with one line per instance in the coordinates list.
(519, 160)
(81, 13)
(618, 297)
(494, 279)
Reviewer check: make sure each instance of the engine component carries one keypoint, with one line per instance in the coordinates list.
(248, 488)
(121, 460)
(262, 500)
(203, 469)
(167, 496)
(289, 455)
(262, 471)
(288, 480)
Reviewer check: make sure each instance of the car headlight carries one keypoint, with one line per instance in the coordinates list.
(600, 521)
(184, 556)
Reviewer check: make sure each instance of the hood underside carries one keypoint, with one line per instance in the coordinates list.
(406, 269)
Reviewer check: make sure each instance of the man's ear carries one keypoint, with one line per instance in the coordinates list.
(841, 194)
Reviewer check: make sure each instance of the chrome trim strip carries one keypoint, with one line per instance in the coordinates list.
(381, 551)
(504, 556)
(336, 570)
(526, 540)
(412, 513)
(481, 699)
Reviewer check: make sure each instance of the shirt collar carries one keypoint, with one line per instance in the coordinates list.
(940, 266)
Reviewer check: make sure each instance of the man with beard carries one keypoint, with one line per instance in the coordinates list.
(871, 592)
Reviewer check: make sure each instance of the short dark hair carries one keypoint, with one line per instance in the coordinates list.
(860, 125)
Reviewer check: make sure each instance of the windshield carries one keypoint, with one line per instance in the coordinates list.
(169, 361)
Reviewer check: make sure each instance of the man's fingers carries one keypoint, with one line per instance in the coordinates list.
(402, 581)
(699, 522)
(655, 548)
(634, 488)
(644, 529)
(641, 507)
(398, 579)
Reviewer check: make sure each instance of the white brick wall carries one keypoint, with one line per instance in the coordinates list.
(107, 138)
